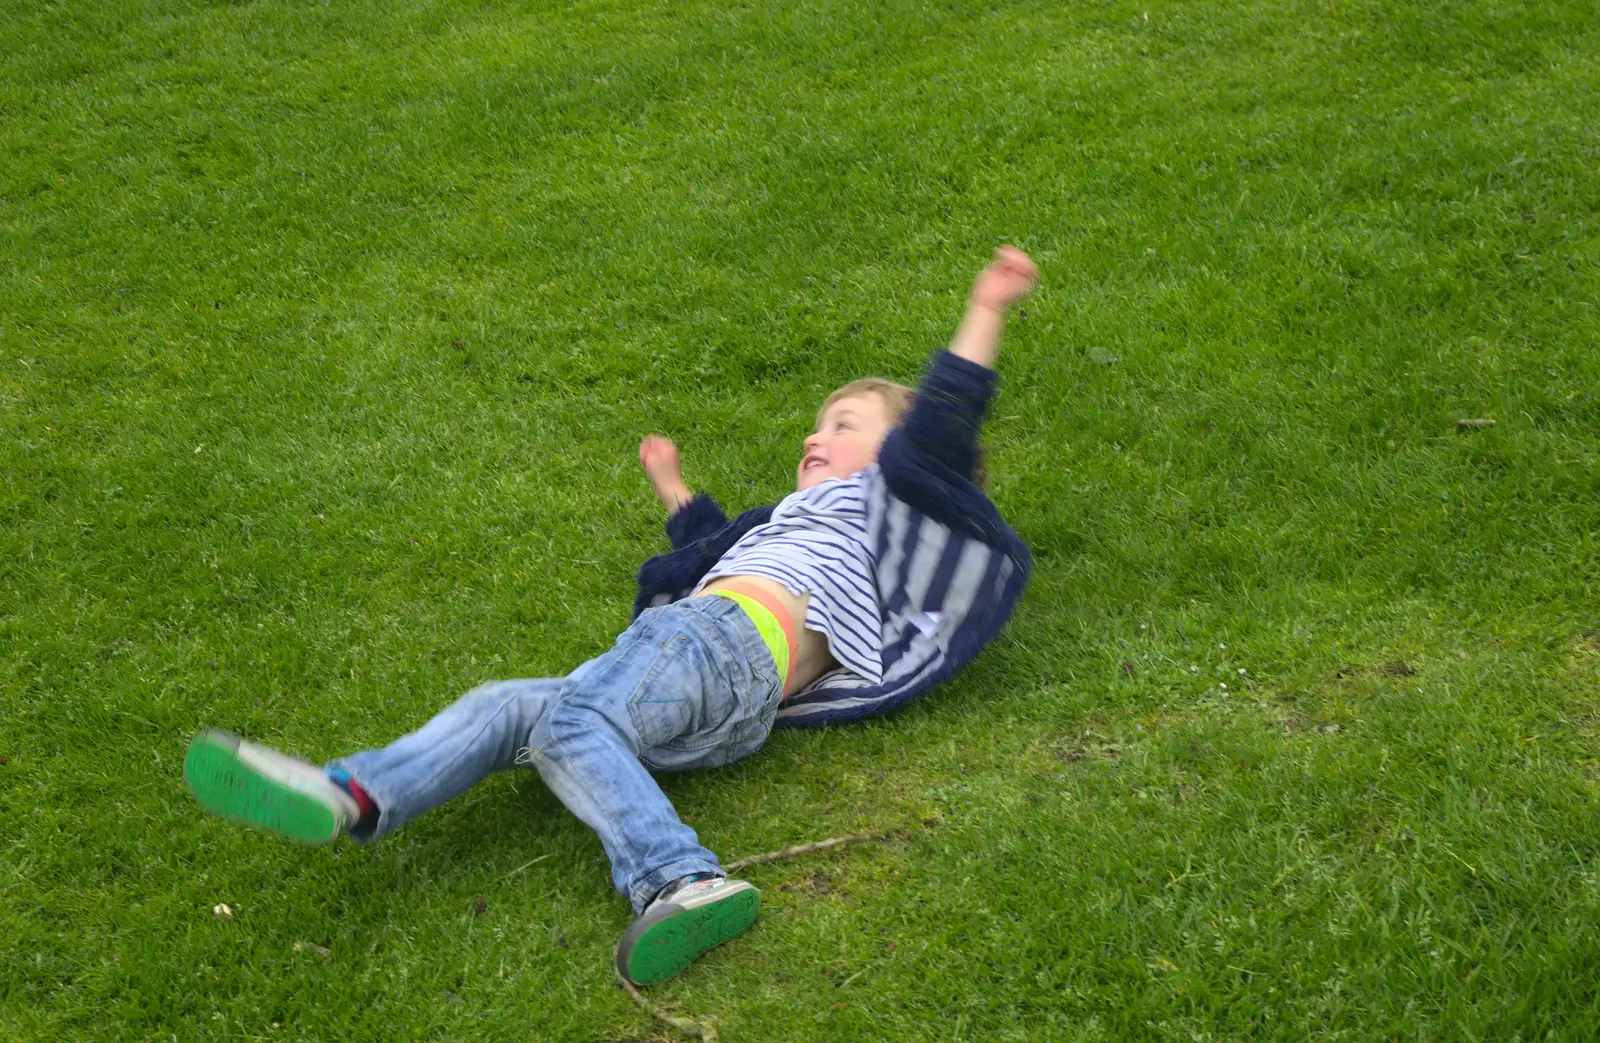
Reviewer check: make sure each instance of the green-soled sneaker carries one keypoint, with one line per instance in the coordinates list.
(261, 787)
(683, 921)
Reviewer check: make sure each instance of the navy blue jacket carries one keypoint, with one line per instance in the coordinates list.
(949, 569)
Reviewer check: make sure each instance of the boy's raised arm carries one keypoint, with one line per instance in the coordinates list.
(954, 394)
(659, 458)
(689, 517)
(1008, 278)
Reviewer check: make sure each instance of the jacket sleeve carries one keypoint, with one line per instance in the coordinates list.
(948, 411)
(695, 520)
(927, 461)
(699, 540)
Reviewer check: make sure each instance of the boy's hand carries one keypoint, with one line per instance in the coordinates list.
(1010, 277)
(659, 458)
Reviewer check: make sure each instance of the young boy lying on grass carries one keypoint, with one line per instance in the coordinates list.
(882, 575)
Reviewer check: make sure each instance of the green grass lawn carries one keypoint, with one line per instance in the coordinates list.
(327, 335)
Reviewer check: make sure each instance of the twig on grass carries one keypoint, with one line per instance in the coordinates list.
(802, 849)
(687, 1026)
(523, 866)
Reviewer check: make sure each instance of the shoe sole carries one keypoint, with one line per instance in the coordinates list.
(655, 950)
(228, 782)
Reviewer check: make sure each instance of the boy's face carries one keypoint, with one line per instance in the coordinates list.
(847, 440)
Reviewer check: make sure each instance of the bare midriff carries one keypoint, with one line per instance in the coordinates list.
(809, 659)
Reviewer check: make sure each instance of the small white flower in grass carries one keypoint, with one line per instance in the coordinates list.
(1241, 671)
(1223, 647)
(1222, 685)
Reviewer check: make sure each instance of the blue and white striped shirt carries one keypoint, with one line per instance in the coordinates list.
(816, 544)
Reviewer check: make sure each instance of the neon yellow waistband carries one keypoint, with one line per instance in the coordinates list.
(773, 633)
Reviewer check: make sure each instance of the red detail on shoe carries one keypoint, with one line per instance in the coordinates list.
(364, 802)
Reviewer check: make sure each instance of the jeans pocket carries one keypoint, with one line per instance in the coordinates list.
(661, 705)
(694, 703)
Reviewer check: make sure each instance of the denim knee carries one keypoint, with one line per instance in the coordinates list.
(489, 696)
(565, 721)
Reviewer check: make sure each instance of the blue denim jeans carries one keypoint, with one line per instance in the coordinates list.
(688, 685)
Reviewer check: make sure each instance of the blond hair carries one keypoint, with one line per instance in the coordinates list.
(897, 399)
